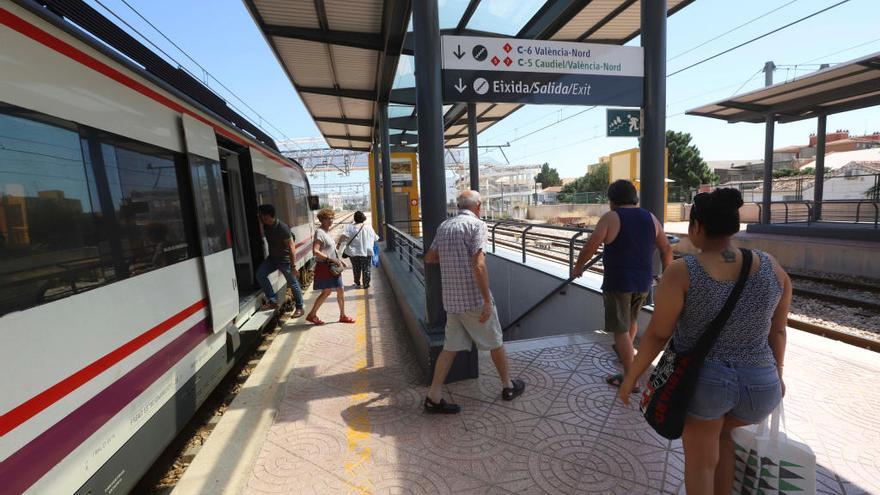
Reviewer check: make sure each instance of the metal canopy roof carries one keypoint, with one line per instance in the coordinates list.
(848, 86)
(343, 57)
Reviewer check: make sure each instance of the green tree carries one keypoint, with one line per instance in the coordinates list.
(595, 181)
(548, 177)
(686, 167)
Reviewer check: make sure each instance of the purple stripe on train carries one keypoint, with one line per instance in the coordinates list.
(30, 463)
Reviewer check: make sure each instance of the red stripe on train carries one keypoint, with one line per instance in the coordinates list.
(64, 48)
(53, 394)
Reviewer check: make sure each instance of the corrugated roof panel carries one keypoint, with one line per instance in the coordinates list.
(358, 130)
(844, 100)
(339, 143)
(355, 67)
(458, 129)
(808, 80)
(623, 26)
(500, 110)
(361, 16)
(307, 61)
(331, 128)
(594, 12)
(299, 13)
(357, 109)
(322, 104)
(827, 86)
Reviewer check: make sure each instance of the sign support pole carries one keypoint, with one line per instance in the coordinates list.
(378, 211)
(819, 181)
(472, 146)
(653, 144)
(386, 175)
(432, 173)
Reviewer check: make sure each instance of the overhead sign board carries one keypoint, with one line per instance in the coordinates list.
(510, 70)
(623, 122)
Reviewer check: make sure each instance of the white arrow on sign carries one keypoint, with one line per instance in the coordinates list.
(460, 86)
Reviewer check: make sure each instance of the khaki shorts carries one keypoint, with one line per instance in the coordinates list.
(621, 309)
(464, 329)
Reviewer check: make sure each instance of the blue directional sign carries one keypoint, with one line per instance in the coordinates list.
(509, 70)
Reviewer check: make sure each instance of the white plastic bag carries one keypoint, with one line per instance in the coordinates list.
(769, 462)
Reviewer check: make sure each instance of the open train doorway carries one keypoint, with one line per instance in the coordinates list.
(236, 212)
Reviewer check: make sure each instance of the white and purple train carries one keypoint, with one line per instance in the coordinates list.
(129, 240)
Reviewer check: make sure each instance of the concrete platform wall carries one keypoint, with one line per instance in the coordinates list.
(843, 257)
(517, 287)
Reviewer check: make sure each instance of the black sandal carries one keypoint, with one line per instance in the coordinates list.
(510, 393)
(617, 380)
(441, 407)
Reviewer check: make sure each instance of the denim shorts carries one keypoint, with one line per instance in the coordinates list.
(747, 393)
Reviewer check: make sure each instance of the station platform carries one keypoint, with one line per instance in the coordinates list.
(337, 409)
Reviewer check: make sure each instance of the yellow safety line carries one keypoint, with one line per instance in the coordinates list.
(359, 453)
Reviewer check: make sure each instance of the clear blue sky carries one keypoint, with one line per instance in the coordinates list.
(223, 38)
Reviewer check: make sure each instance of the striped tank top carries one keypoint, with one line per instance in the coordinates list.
(743, 340)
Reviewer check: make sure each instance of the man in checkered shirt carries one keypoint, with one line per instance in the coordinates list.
(471, 317)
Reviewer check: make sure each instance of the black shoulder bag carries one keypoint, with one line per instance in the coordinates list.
(351, 240)
(671, 385)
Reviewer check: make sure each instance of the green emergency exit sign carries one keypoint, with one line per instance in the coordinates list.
(623, 122)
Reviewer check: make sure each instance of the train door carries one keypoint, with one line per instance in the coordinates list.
(237, 217)
(218, 265)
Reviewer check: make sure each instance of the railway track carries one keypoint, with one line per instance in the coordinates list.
(557, 251)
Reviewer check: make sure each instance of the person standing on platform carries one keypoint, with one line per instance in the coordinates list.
(630, 235)
(281, 253)
(360, 238)
(740, 382)
(471, 314)
(328, 270)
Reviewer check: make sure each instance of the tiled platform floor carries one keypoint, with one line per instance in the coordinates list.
(350, 419)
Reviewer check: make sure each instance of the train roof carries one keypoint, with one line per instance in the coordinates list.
(90, 26)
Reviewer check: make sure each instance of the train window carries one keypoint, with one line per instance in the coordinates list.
(80, 208)
(48, 241)
(210, 204)
(146, 202)
(302, 205)
(284, 203)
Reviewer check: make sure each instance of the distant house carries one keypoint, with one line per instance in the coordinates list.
(548, 195)
(849, 175)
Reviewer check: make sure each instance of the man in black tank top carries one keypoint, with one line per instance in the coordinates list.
(630, 235)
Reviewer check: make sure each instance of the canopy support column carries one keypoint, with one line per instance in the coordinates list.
(818, 183)
(653, 143)
(472, 146)
(432, 174)
(386, 174)
(378, 211)
(768, 169)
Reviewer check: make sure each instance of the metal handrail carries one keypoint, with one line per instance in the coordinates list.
(811, 208)
(523, 228)
(409, 248)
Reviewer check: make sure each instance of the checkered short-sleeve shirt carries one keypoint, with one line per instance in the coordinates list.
(458, 240)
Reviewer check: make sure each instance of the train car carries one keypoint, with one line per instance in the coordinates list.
(129, 241)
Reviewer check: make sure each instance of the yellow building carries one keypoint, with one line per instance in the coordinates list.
(625, 165)
(404, 193)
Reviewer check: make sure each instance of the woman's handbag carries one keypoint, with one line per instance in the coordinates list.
(335, 270)
(770, 461)
(671, 385)
(344, 255)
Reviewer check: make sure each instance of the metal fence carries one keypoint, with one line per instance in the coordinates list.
(409, 250)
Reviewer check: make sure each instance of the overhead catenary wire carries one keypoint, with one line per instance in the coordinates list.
(765, 14)
(708, 58)
(768, 33)
(187, 55)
